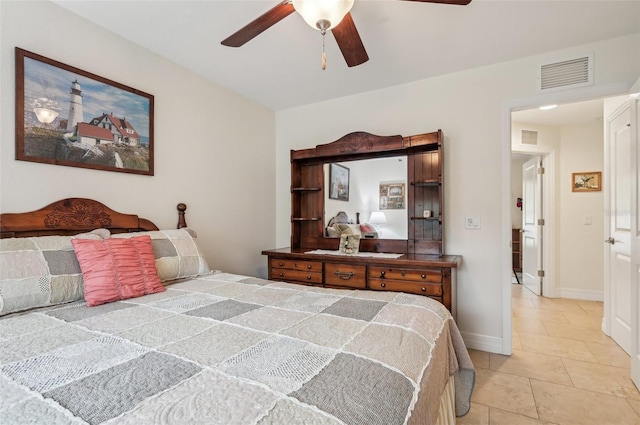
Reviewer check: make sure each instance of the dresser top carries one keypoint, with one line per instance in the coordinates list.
(405, 259)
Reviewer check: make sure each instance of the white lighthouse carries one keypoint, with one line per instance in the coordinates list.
(75, 106)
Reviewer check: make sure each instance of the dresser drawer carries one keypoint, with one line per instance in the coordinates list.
(295, 276)
(352, 276)
(426, 288)
(310, 266)
(413, 275)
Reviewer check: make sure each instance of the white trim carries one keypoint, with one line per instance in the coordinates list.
(490, 344)
(581, 94)
(579, 294)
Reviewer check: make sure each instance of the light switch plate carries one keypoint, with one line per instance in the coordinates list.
(472, 222)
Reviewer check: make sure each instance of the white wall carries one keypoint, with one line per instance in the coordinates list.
(580, 252)
(469, 107)
(516, 192)
(214, 150)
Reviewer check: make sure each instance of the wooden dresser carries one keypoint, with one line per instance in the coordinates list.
(430, 275)
(422, 267)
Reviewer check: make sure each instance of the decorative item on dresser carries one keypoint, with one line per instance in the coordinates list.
(414, 265)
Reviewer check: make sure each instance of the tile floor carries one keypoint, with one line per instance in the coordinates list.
(563, 370)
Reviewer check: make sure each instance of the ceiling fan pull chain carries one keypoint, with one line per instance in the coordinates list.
(324, 54)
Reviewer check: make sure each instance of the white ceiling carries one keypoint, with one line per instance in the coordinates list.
(406, 41)
(567, 114)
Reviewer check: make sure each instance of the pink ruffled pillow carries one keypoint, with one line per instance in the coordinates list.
(117, 269)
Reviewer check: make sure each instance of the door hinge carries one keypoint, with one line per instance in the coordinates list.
(541, 222)
(540, 170)
(540, 273)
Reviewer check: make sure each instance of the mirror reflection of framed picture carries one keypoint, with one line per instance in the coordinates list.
(391, 196)
(338, 182)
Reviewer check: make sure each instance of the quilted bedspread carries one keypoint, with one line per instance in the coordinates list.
(231, 349)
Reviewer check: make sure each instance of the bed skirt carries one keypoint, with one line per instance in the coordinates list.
(447, 412)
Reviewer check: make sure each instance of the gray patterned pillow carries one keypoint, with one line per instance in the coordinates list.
(40, 271)
(177, 253)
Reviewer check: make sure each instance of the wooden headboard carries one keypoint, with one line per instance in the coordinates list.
(75, 215)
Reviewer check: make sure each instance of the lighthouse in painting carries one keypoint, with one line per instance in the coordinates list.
(75, 106)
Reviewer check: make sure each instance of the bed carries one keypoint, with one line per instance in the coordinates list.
(205, 347)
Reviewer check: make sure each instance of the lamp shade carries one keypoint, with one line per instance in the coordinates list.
(377, 217)
(322, 14)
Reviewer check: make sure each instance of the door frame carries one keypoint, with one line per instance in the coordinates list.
(568, 96)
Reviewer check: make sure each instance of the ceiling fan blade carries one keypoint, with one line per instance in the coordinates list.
(260, 24)
(349, 41)
(457, 2)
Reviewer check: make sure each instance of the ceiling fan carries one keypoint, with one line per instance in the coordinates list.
(324, 15)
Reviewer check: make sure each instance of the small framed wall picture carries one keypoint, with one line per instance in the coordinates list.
(587, 181)
(339, 182)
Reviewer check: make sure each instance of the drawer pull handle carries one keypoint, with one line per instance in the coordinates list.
(308, 266)
(382, 273)
(281, 264)
(383, 285)
(308, 277)
(344, 275)
(424, 276)
(403, 274)
(281, 274)
(423, 289)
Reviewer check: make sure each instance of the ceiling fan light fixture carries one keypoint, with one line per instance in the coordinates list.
(322, 15)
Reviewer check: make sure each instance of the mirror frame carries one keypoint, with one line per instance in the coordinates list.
(351, 147)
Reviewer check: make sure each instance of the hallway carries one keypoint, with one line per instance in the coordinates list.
(563, 370)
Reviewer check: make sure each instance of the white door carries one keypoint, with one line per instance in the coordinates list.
(634, 135)
(531, 230)
(618, 253)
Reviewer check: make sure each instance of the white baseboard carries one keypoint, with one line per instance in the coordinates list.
(489, 344)
(578, 294)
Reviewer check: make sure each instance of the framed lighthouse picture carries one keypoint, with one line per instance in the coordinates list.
(67, 116)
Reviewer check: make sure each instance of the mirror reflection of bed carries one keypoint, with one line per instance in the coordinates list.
(365, 177)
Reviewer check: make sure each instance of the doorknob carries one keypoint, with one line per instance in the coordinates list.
(611, 241)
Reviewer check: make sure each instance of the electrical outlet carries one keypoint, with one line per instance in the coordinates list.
(587, 220)
(472, 222)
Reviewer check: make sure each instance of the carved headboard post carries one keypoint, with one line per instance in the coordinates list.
(182, 222)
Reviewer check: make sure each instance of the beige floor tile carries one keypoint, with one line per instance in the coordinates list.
(529, 325)
(515, 341)
(569, 331)
(522, 302)
(601, 378)
(500, 417)
(553, 346)
(594, 306)
(555, 304)
(531, 365)
(573, 406)
(480, 359)
(478, 415)
(504, 391)
(609, 354)
(540, 314)
(635, 405)
(585, 319)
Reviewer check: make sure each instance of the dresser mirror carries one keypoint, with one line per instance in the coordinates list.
(369, 196)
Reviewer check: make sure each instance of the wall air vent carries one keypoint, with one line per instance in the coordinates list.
(529, 137)
(567, 74)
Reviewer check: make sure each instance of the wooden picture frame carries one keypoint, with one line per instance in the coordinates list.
(338, 182)
(67, 116)
(586, 181)
(392, 196)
